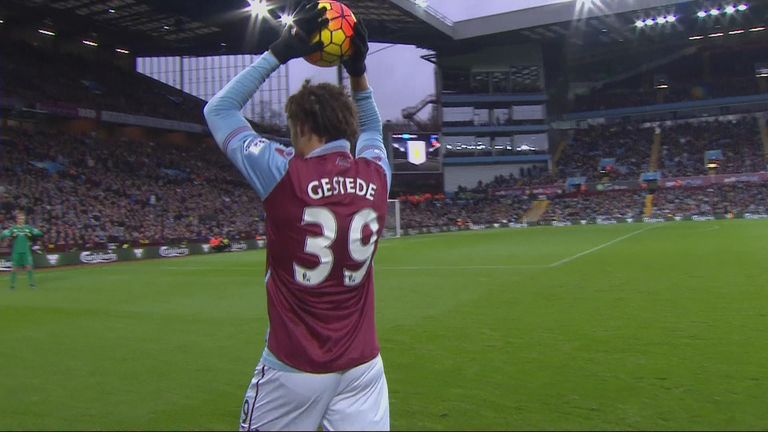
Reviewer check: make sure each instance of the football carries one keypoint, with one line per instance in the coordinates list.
(336, 36)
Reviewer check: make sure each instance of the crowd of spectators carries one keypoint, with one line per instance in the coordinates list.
(463, 210)
(591, 207)
(724, 199)
(533, 176)
(85, 192)
(685, 144)
(628, 144)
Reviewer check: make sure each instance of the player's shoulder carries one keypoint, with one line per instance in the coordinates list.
(373, 163)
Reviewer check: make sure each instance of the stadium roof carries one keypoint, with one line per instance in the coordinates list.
(207, 27)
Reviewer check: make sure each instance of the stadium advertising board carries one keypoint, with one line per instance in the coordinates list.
(172, 252)
(238, 246)
(48, 260)
(715, 179)
(89, 257)
(5, 265)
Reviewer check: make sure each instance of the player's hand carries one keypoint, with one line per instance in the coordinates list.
(295, 40)
(355, 63)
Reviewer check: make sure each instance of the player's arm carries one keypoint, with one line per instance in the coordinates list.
(262, 162)
(36, 233)
(255, 157)
(370, 144)
(5, 234)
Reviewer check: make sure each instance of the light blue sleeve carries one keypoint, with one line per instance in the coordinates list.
(370, 145)
(262, 162)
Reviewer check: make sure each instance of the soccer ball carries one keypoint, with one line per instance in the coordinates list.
(336, 37)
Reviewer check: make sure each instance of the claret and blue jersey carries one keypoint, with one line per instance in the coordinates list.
(325, 214)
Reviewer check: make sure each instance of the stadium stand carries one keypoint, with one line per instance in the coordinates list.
(464, 210)
(717, 199)
(592, 207)
(629, 144)
(684, 146)
(86, 192)
(702, 75)
(80, 82)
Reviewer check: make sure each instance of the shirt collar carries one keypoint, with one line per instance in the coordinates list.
(341, 145)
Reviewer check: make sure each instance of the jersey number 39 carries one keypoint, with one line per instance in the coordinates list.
(319, 246)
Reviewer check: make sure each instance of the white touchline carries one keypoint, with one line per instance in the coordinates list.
(477, 267)
(597, 248)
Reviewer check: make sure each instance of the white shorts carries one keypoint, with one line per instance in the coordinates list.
(356, 399)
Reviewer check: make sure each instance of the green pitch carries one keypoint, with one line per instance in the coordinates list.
(588, 327)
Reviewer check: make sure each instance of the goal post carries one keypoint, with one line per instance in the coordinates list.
(392, 227)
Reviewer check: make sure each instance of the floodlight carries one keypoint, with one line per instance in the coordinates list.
(259, 8)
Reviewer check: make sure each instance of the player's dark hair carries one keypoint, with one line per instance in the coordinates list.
(326, 110)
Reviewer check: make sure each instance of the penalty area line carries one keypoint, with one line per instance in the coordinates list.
(597, 248)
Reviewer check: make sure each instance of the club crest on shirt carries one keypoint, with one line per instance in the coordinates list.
(286, 153)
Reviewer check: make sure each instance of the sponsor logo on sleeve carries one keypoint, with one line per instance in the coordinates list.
(255, 146)
(138, 253)
(52, 259)
(97, 257)
(169, 251)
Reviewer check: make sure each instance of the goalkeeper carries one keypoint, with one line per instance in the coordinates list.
(22, 234)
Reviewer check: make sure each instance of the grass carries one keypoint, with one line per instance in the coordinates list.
(663, 329)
